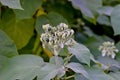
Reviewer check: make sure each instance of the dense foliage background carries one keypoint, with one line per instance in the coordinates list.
(94, 22)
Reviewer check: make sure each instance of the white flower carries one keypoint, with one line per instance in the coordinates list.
(103, 52)
(57, 37)
(109, 49)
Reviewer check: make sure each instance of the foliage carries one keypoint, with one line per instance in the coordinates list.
(95, 22)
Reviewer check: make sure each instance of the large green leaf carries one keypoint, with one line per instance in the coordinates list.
(78, 68)
(87, 7)
(14, 4)
(27, 67)
(30, 7)
(115, 20)
(24, 67)
(116, 75)
(20, 31)
(98, 74)
(49, 71)
(95, 74)
(7, 46)
(52, 18)
(81, 52)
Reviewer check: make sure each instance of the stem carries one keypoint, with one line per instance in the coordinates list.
(69, 77)
(67, 59)
(56, 56)
(56, 60)
(38, 51)
(37, 47)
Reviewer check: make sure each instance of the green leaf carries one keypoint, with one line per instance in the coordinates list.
(56, 18)
(80, 77)
(80, 4)
(104, 20)
(87, 7)
(27, 67)
(3, 60)
(7, 46)
(105, 10)
(95, 74)
(20, 31)
(98, 74)
(30, 7)
(118, 45)
(24, 67)
(78, 68)
(14, 4)
(81, 52)
(52, 18)
(49, 71)
(94, 7)
(109, 61)
(41, 20)
(59, 60)
(115, 19)
(115, 75)
(64, 52)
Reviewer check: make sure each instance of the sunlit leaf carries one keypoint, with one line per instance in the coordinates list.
(20, 31)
